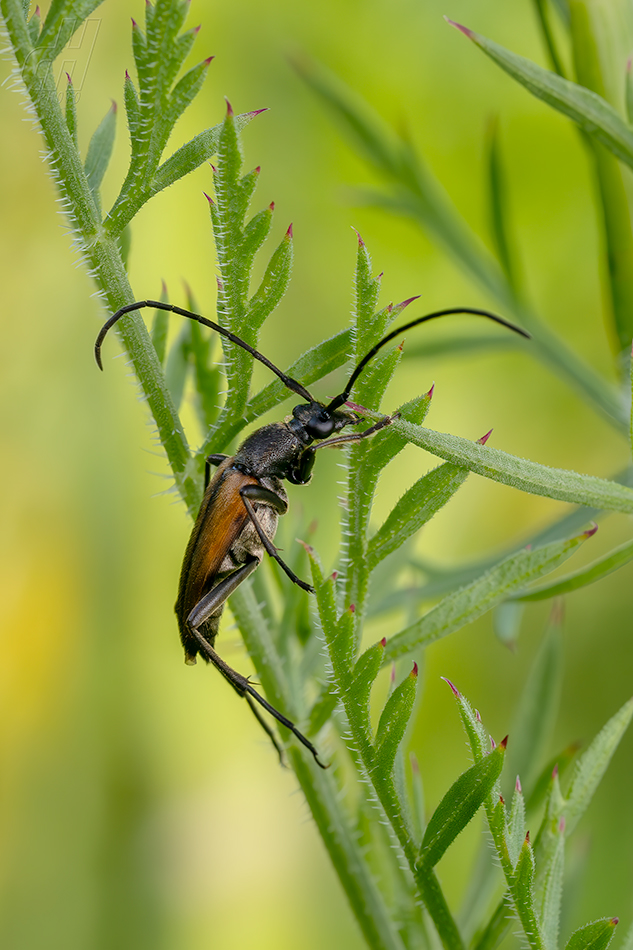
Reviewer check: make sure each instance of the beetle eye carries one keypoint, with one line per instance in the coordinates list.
(320, 428)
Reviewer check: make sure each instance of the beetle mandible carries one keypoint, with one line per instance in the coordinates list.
(238, 516)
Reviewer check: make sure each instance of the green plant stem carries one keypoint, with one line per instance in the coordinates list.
(102, 253)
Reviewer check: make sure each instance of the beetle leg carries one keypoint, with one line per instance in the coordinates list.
(259, 493)
(269, 732)
(218, 595)
(208, 462)
(357, 436)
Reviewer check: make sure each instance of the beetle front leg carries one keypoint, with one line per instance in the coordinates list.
(268, 497)
(353, 437)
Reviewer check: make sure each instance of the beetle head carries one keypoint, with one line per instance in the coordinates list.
(318, 422)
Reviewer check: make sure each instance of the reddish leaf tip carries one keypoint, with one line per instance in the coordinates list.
(555, 771)
(502, 799)
(134, 23)
(615, 921)
(527, 838)
(390, 308)
(271, 206)
(213, 168)
(504, 742)
(561, 826)
(380, 276)
(334, 575)
(454, 689)
(462, 29)
(255, 112)
(361, 243)
(289, 232)
(208, 60)
(127, 75)
(493, 744)
(163, 287)
(429, 395)
(405, 303)
(383, 642)
(307, 547)
(258, 169)
(517, 785)
(229, 108)
(590, 531)
(484, 438)
(392, 675)
(414, 671)
(352, 608)
(37, 11)
(70, 82)
(477, 715)
(113, 107)
(415, 765)
(355, 406)
(209, 199)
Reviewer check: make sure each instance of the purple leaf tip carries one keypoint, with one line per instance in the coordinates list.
(393, 673)
(197, 29)
(258, 169)
(271, 206)
(429, 395)
(70, 82)
(289, 232)
(555, 771)
(414, 671)
(113, 107)
(307, 547)
(134, 23)
(493, 744)
(352, 608)
(591, 531)
(208, 61)
(229, 108)
(213, 168)
(334, 575)
(517, 785)
(257, 112)
(383, 642)
(209, 199)
(484, 438)
(405, 303)
(456, 692)
(37, 11)
(615, 921)
(561, 826)
(477, 715)
(462, 29)
(502, 800)
(127, 75)
(504, 743)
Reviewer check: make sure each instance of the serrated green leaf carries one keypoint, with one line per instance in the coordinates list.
(132, 107)
(367, 291)
(416, 507)
(465, 605)
(537, 708)
(184, 92)
(394, 721)
(273, 285)
(459, 805)
(592, 113)
(523, 884)
(520, 473)
(71, 108)
(551, 893)
(592, 765)
(594, 936)
(516, 824)
(471, 721)
(593, 572)
(100, 150)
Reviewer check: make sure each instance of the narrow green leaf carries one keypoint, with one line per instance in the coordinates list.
(537, 708)
(551, 892)
(591, 112)
(459, 805)
(342, 644)
(185, 91)
(506, 622)
(325, 592)
(255, 233)
(520, 473)
(177, 365)
(100, 150)
(207, 377)
(592, 765)
(499, 205)
(132, 108)
(160, 328)
(465, 605)
(323, 708)
(373, 384)
(516, 823)
(594, 936)
(471, 721)
(386, 444)
(365, 672)
(593, 572)
(616, 217)
(523, 889)
(34, 23)
(542, 12)
(71, 107)
(367, 291)
(416, 507)
(273, 285)
(560, 762)
(418, 809)
(394, 721)
(628, 90)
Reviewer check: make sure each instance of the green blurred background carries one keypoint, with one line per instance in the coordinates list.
(140, 806)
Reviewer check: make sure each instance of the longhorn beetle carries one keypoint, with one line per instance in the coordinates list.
(242, 502)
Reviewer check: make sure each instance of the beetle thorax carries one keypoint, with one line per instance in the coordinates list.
(272, 450)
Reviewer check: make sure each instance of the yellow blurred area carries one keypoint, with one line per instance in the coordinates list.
(140, 806)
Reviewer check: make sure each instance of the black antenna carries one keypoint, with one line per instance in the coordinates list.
(288, 381)
(342, 397)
